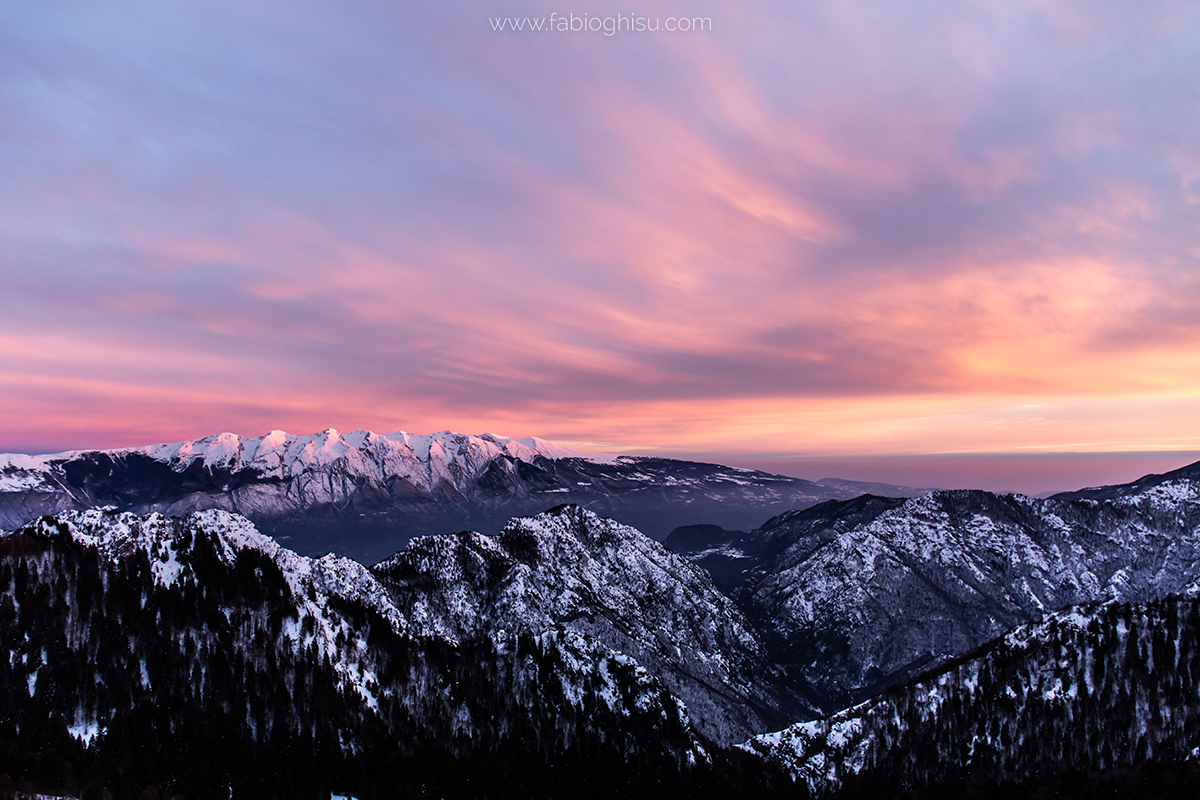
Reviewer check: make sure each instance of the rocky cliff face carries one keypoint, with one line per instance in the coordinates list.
(569, 570)
(854, 596)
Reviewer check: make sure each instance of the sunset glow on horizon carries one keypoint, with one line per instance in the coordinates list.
(820, 231)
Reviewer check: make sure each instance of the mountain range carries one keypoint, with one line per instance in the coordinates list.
(854, 596)
(364, 495)
(196, 656)
(952, 643)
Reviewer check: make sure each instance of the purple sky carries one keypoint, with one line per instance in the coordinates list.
(817, 234)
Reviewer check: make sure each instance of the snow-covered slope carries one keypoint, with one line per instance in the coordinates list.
(158, 639)
(568, 569)
(1086, 689)
(170, 548)
(364, 494)
(567, 633)
(590, 584)
(854, 596)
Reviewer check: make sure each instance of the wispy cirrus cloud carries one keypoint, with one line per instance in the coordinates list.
(250, 216)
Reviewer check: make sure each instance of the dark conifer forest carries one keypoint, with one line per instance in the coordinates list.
(196, 690)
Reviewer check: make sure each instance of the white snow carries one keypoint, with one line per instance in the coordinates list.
(313, 582)
(425, 461)
(821, 753)
(22, 473)
(84, 731)
(574, 572)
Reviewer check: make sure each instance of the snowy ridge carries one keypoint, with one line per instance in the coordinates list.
(431, 456)
(430, 459)
(569, 569)
(910, 584)
(168, 545)
(1091, 687)
(22, 473)
(111, 615)
(117, 534)
(600, 594)
(364, 494)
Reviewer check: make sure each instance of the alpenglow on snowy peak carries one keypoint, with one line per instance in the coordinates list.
(364, 494)
(426, 460)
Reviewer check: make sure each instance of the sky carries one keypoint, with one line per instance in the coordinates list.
(925, 242)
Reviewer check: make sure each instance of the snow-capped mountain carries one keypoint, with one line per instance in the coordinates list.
(569, 570)
(364, 494)
(197, 653)
(1087, 690)
(854, 596)
(569, 650)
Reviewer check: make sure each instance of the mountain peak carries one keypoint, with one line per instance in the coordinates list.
(365, 494)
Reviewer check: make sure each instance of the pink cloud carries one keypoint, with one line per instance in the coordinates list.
(369, 218)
